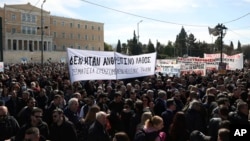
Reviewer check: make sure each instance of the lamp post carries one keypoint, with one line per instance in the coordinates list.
(138, 30)
(221, 28)
(187, 44)
(42, 47)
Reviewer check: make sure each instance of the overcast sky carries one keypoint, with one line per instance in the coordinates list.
(161, 19)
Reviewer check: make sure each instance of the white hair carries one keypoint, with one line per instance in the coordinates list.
(72, 100)
(100, 115)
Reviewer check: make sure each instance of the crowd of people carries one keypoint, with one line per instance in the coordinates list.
(39, 103)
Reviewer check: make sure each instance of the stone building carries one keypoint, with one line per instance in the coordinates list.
(22, 27)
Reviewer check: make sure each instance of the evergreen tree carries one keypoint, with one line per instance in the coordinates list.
(218, 44)
(134, 47)
(151, 47)
(180, 42)
(118, 47)
(125, 49)
(190, 44)
(107, 47)
(230, 48)
(239, 47)
(169, 50)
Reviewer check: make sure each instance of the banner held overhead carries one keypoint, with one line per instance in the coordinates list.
(102, 65)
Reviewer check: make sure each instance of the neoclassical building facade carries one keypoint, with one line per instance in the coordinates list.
(22, 27)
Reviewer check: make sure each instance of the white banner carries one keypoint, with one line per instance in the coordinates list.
(168, 66)
(197, 68)
(101, 65)
(233, 62)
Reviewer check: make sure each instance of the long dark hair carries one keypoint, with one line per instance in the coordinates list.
(178, 126)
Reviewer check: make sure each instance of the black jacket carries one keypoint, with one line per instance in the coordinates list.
(97, 132)
(64, 132)
(43, 128)
(8, 128)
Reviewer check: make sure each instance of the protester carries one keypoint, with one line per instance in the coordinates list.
(33, 134)
(71, 112)
(223, 134)
(87, 122)
(121, 136)
(151, 130)
(210, 92)
(8, 125)
(35, 121)
(178, 128)
(61, 129)
(97, 131)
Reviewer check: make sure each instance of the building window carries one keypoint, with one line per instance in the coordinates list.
(54, 47)
(54, 22)
(13, 30)
(54, 34)
(33, 30)
(99, 28)
(93, 37)
(24, 29)
(71, 25)
(86, 47)
(71, 36)
(71, 46)
(93, 27)
(79, 47)
(93, 48)
(13, 17)
(33, 19)
(29, 30)
(63, 35)
(63, 47)
(86, 37)
(79, 26)
(79, 36)
(86, 26)
(28, 18)
(23, 17)
(63, 23)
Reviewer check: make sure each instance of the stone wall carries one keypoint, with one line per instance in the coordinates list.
(33, 57)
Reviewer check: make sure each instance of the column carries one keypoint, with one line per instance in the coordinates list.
(11, 44)
(17, 44)
(47, 45)
(6, 44)
(33, 45)
(22, 44)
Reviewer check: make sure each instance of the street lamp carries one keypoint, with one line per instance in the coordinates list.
(187, 44)
(42, 48)
(220, 28)
(138, 29)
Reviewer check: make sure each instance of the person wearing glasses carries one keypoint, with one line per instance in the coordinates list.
(35, 121)
(60, 126)
(8, 124)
